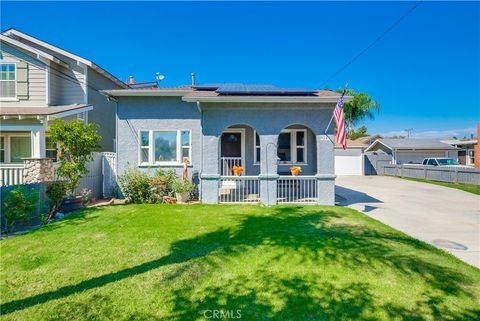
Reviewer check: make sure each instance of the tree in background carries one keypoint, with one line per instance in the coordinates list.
(75, 142)
(360, 132)
(362, 106)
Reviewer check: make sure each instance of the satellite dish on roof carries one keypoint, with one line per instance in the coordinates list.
(159, 76)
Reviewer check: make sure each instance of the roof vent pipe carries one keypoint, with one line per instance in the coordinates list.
(193, 79)
(131, 81)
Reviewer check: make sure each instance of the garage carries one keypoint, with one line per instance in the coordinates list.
(350, 161)
(412, 151)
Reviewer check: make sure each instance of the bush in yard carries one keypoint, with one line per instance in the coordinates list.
(19, 207)
(75, 142)
(56, 192)
(136, 187)
(168, 178)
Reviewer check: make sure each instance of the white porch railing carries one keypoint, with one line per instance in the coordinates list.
(297, 189)
(11, 174)
(227, 164)
(239, 189)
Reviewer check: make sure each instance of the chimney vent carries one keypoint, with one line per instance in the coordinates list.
(193, 79)
(131, 81)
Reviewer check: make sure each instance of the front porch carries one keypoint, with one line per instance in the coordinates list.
(265, 162)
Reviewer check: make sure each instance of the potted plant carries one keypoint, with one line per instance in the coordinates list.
(295, 170)
(237, 170)
(182, 189)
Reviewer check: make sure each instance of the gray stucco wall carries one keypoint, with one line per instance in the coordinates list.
(163, 113)
(155, 113)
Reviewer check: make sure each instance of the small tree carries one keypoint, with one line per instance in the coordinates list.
(360, 132)
(55, 192)
(75, 142)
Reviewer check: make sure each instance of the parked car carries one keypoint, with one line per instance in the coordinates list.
(440, 161)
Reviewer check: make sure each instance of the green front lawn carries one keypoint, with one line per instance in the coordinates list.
(475, 189)
(167, 262)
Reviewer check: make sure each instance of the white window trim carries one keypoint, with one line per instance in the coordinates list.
(151, 148)
(256, 161)
(16, 89)
(293, 147)
(7, 145)
(46, 149)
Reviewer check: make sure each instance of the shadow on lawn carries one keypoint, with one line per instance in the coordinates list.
(317, 238)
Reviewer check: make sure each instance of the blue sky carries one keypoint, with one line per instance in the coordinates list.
(425, 72)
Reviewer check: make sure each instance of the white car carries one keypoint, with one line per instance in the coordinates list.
(440, 161)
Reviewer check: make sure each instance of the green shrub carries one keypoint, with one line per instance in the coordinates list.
(183, 186)
(136, 187)
(56, 192)
(19, 205)
(167, 179)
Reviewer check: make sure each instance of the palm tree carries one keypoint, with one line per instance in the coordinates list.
(362, 106)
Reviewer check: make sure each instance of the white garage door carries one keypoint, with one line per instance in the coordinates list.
(348, 162)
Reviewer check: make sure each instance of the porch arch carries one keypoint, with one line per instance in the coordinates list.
(237, 146)
(297, 146)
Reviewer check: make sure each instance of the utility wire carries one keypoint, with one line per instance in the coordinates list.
(374, 42)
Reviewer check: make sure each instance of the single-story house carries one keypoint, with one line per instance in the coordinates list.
(350, 161)
(466, 150)
(411, 150)
(263, 128)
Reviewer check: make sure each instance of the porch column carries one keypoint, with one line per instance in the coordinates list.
(38, 143)
(268, 169)
(210, 174)
(325, 170)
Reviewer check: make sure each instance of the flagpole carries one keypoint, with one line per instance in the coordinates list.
(331, 118)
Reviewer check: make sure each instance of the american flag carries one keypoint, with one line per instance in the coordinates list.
(341, 136)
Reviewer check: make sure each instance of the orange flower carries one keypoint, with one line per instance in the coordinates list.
(237, 170)
(295, 170)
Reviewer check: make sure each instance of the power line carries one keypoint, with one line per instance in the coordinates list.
(374, 42)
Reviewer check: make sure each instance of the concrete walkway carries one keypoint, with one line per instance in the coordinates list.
(444, 217)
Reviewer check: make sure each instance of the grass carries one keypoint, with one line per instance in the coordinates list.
(167, 262)
(475, 189)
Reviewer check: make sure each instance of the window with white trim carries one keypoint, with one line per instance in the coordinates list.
(292, 146)
(2, 149)
(164, 147)
(50, 149)
(256, 148)
(8, 86)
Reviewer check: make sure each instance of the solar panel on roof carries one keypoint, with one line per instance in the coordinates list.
(243, 89)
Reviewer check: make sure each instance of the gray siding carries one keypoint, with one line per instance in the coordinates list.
(67, 85)
(103, 112)
(148, 113)
(36, 77)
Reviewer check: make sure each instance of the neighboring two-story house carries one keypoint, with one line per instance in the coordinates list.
(262, 128)
(39, 82)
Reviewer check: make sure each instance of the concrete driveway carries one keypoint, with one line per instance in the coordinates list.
(444, 217)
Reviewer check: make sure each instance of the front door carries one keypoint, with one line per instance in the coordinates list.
(231, 151)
